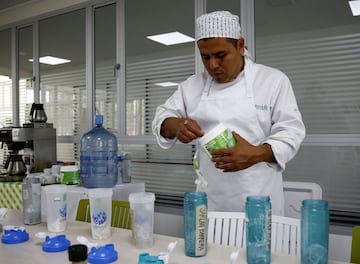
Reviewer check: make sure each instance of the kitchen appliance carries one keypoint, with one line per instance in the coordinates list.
(37, 113)
(37, 142)
(15, 165)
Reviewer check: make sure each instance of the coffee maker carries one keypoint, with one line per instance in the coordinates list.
(34, 144)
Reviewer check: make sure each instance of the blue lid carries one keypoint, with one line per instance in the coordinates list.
(14, 235)
(55, 244)
(102, 255)
(99, 120)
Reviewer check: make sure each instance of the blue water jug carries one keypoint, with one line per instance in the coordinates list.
(98, 157)
(314, 231)
(258, 230)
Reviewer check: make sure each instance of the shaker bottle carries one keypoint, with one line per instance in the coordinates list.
(142, 218)
(195, 224)
(258, 236)
(314, 231)
(55, 197)
(31, 196)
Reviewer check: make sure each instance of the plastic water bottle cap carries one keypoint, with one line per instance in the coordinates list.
(99, 119)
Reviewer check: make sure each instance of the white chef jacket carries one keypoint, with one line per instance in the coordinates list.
(261, 107)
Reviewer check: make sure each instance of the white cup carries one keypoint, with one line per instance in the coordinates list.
(142, 218)
(100, 211)
(55, 196)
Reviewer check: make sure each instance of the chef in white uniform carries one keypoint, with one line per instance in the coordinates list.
(255, 102)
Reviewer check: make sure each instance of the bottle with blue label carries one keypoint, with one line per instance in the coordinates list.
(258, 229)
(195, 224)
(98, 157)
(314, 231)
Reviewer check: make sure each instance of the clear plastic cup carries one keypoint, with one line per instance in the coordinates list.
(100, 211)
(55, 207)
(142, 218)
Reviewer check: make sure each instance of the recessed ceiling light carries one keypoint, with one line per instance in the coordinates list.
(355, 7)
(51, 60)
(166, 84)
(171, 38)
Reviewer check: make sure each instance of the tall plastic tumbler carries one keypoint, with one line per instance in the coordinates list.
(142, 218)
(195, 224)
(314, 231)
(56, 207)
(100, 210)
(258, 236)
(31, 196)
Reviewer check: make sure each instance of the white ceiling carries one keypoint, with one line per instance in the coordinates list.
(149, 19)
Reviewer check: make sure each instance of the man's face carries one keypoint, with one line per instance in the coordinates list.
(221, 58)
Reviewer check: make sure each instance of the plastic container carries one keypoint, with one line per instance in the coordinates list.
(258, 236)
(142, 218)
(124, 160)
(314, 231)
(69, 174)
(98, 157)
(217, 138)
(195, 224)
(31, 197)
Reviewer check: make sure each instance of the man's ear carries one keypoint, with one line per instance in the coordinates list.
(241, 45)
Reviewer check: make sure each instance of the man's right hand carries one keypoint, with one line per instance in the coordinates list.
(184, 129)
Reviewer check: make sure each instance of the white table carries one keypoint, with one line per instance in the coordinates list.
(31, 251)
(76, 193)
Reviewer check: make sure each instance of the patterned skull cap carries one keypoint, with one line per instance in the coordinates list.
(220, 24)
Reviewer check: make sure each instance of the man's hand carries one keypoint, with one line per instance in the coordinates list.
(184, 129)
(243, 155)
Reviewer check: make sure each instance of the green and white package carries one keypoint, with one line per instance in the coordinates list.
(218, 138)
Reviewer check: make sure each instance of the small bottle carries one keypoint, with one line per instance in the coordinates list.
(78, 254)
(314, 231)
(98, 157)
(31, 197)
(125, 164)
(258, 236)
(195, 224)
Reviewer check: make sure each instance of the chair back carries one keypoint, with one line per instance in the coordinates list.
(355, 245)
(285, 235)
(229, 229)
(120, 213)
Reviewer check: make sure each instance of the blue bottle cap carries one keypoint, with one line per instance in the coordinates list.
(99, 119)
(102, 255)
(55, 244)
(14, 235)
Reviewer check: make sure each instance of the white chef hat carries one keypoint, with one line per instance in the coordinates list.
(220, 24)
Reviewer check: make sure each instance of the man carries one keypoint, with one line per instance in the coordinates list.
(254, 101)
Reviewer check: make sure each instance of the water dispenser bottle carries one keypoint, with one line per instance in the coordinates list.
(98, 157)
(258, 232)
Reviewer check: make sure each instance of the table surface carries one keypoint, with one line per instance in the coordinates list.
(31, 251)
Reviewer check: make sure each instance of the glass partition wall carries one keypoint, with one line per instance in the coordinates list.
(321, 56)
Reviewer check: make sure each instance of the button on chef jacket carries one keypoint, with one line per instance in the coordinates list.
(261, 107)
